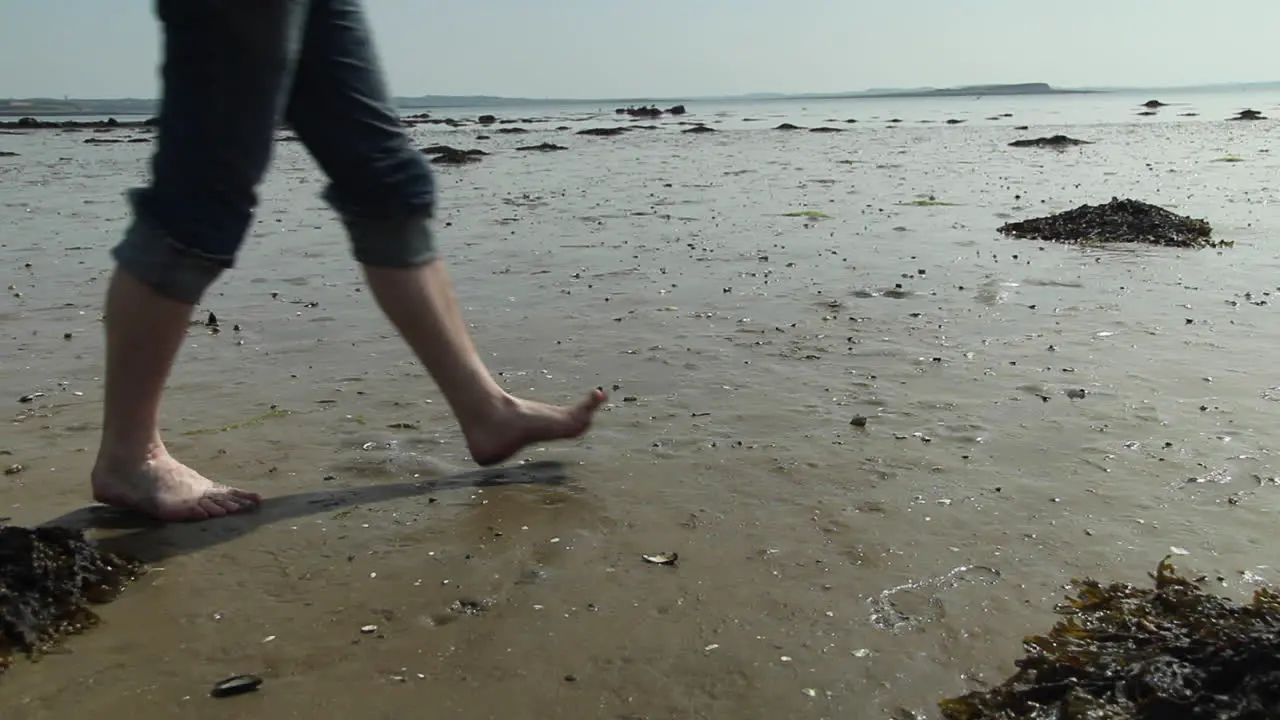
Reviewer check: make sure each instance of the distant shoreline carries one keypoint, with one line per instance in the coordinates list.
(77, 107)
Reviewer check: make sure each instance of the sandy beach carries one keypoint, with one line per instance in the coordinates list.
(744, 296)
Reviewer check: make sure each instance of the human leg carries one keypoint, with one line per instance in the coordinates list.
(226, 69)
(383, 190)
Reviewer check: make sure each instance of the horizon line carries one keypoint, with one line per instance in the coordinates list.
(887, 92)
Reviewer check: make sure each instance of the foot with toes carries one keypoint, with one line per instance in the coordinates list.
(167, 490)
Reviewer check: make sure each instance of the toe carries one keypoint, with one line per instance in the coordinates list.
(244, 497)
(233, 501)
(213, 506)
(193, 512)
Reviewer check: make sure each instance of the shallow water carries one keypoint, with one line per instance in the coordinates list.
(825, 570)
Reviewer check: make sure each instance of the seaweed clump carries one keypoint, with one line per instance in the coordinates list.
(49, 577)
(1174, 651)
(1119, 221)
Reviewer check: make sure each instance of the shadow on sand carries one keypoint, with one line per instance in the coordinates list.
(150, 541)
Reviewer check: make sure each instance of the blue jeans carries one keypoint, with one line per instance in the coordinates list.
(233, 69)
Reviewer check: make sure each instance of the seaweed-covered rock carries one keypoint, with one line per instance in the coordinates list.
(1053, 141)
(446, 155)
(603, 131)
(1119, 221)
(49, 578)
(640, 112)
(1121, 652)
(543, 147)
(1248, 115)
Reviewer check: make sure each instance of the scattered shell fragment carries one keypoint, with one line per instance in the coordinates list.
(369, 629)
(662, 558)
(236, 685)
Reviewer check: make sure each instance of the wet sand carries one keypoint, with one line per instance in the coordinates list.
(826, 570)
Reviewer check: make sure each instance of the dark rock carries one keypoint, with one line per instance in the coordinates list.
(826, 130)
(49, 578)
(29, 122)
(676, 110)
(603, 132)
(851, 120)
(1022, 127)
(1148, 113)
(1055, 141)
(101, 141)
(487, 120)
(5, 153)
(543, 147)
(511, 130)
(788, 126)
(699, 129)
(953, 121)
(1153, 104)
(1119, 221)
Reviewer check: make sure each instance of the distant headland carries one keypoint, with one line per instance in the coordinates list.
(16, 107)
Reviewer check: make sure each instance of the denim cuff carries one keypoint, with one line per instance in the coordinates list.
(152, 257)
(400, 242)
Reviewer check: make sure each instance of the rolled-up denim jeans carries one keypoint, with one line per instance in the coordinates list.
(233, 69)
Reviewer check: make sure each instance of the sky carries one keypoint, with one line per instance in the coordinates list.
(696, 48)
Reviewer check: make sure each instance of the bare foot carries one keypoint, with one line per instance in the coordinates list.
(518, 423)
(167, 490)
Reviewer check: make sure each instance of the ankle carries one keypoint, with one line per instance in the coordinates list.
(113, 455)
(486, 409)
